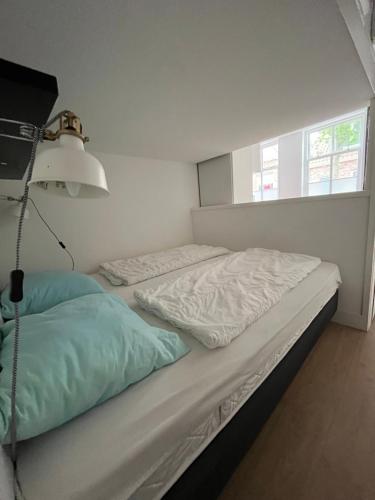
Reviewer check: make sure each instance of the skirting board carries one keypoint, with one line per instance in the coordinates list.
(207, 475)
(353, 320)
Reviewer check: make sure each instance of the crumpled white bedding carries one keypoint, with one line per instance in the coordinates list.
(143, 267)
(218, 301)
(136, 445)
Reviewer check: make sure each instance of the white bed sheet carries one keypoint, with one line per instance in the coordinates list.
(133, 445)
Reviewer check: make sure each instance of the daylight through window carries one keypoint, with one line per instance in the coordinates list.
(265, 182)
(323, 159)
(334, 156)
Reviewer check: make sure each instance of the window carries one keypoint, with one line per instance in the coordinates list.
(326, 158)
(334, 156)
(266, 181)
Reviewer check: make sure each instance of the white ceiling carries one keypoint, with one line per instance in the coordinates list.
(188, 79)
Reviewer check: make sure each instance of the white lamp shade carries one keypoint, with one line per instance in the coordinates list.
(68, 170)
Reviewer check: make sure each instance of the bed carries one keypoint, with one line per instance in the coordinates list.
(180, 432)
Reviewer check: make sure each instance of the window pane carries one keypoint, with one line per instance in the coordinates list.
(270, 180)
(270, 156)
(320, 142)
(347, 135)
(270, 194)
(344, 185)
(257, 179)
(319, 170)
(345, 165)
(319, 188)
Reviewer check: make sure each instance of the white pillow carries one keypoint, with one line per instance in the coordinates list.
(136, 269)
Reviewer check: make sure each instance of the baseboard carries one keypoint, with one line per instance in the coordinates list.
(353, 320)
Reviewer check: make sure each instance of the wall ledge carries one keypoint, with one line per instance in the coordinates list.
(302, 199)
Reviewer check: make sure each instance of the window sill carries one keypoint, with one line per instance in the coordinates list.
(301, 199)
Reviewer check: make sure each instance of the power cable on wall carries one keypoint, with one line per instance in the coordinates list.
(61, 243)
(47, 225)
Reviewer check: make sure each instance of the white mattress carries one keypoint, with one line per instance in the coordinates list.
(137, 444)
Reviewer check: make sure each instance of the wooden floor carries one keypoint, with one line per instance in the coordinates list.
(319, 443)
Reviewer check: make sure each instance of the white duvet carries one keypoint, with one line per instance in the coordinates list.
(143, 267)
(218, 301)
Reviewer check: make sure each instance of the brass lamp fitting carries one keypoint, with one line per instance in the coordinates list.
(69, 124)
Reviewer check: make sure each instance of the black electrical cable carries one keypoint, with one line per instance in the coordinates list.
(16, 294)
(35, 135)
(62, 245)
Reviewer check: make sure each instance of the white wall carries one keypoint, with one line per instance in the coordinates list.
(333, 228)
(290, 165)
(215, 181)
(148, 209)
(357, 16)
(242, 175)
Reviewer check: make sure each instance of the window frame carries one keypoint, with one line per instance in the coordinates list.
(263, 145)
(362, 114)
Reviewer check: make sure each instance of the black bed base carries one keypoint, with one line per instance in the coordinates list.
(206, 477)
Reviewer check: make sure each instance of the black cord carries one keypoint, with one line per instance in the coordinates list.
(36, 135)
(53, 233)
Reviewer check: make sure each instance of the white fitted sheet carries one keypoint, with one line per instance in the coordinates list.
(137, 444)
